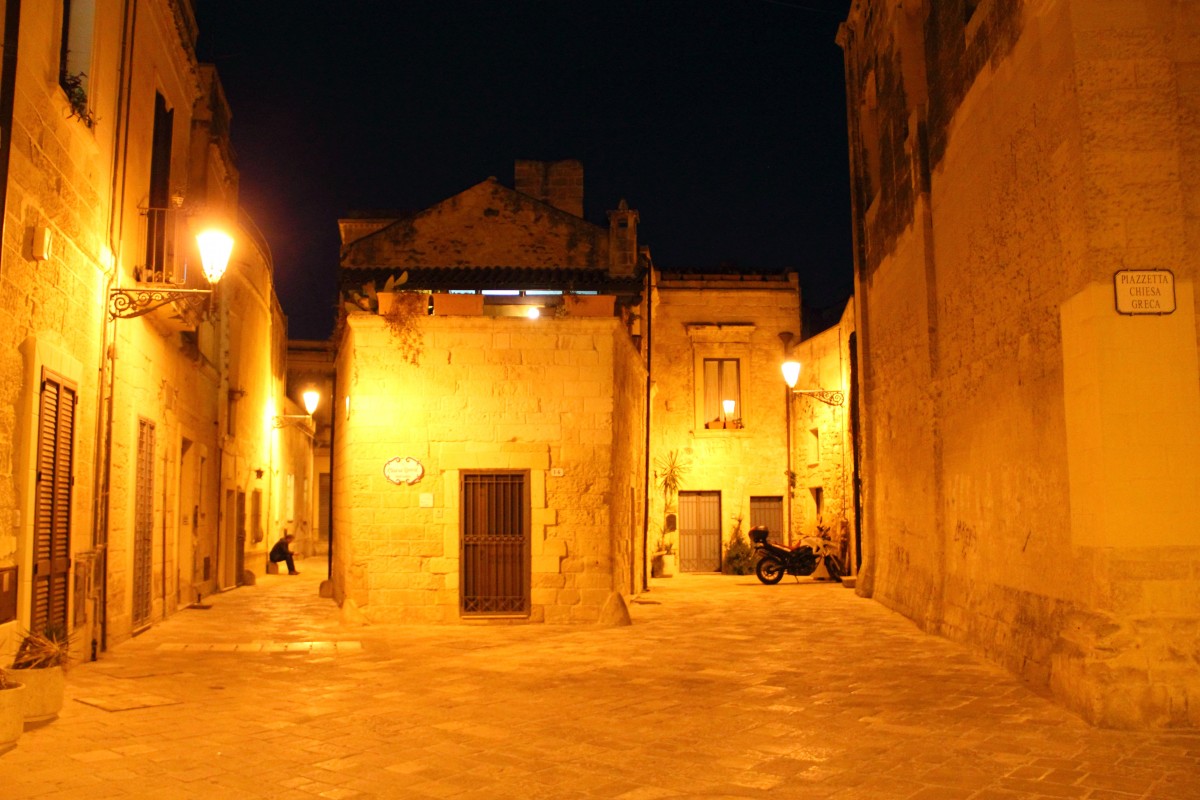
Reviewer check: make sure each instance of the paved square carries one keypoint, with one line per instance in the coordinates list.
(721, 688)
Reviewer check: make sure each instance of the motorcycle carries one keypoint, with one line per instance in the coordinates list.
(814, 554)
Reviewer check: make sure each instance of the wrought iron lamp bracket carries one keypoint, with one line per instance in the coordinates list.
(283, 420)
(304, 422)
(830, 397)
(128, 303)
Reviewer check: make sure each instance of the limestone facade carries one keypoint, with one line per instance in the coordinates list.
(716, 338)
(486, 464)
(1031, 455)
(822, 438)
(116, 152)
(494, 395)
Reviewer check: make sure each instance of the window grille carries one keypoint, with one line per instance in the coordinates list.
(143, 534)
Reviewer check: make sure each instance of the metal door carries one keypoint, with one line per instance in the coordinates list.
(700, 531)
(495, 544)
(143, 530)
(768, 511)
(239, 553)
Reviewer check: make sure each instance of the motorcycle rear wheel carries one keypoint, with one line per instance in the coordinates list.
(769, 570)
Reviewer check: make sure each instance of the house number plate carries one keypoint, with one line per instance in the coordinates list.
(403, 470)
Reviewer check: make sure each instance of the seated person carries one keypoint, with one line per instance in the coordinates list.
(283, 552)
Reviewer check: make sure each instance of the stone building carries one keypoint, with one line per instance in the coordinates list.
(311, 365)
(1026, 175)
(450, 395)
(824, 462)
(123, 457)
(489, 425)
(720, 411)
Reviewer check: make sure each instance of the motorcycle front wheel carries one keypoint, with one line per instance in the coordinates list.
(769, 570)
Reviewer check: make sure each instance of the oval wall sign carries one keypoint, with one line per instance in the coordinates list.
(403, 470)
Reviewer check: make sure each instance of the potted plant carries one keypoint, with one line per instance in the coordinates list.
(669, 564)
(670, 472)
(40, 663)
(12, 712)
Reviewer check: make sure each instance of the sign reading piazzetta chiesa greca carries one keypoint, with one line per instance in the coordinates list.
(1144, 291)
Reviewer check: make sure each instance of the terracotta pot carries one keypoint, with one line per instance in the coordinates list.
(460, 305)
(44, 691)
(12, 715)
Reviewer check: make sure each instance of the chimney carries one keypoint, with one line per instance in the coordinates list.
(622, 240)
(556, 183)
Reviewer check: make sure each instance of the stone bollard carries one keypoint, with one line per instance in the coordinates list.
(615, 613)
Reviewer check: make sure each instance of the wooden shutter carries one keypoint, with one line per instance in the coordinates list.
(52, 503)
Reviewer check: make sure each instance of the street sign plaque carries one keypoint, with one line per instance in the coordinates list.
(1144, 291)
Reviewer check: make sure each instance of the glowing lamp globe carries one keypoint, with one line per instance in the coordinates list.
(311, 398)
(791, 373)
(215, 248)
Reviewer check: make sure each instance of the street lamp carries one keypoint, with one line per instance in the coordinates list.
(791, 374)
(312, 398)
(215, 248)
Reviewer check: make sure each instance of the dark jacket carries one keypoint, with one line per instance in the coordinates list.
(280, 551)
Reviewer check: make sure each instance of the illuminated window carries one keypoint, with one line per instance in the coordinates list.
(722, 387)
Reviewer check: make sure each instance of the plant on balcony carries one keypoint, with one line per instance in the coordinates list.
(77, 97)
(403, 320)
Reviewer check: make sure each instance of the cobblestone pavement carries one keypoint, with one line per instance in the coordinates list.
(721, 688)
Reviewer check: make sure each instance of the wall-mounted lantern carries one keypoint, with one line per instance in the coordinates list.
(215, 248)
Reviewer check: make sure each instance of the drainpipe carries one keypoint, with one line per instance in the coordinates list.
(333, 415)
(649, 401)
(108, 351)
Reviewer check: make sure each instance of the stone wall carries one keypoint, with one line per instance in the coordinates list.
(823, 457)
(542, 397)
(713, 316)
(51, 310)
(1029, 454)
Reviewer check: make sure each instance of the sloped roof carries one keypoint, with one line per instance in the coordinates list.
(486, 225)
(563, 279)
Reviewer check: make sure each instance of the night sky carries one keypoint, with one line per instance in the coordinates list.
(721, 121)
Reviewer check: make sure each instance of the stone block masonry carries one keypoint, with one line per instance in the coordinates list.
(1031, 455)
(500, 395)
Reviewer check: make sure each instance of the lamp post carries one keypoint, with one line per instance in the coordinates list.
(215, 248)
